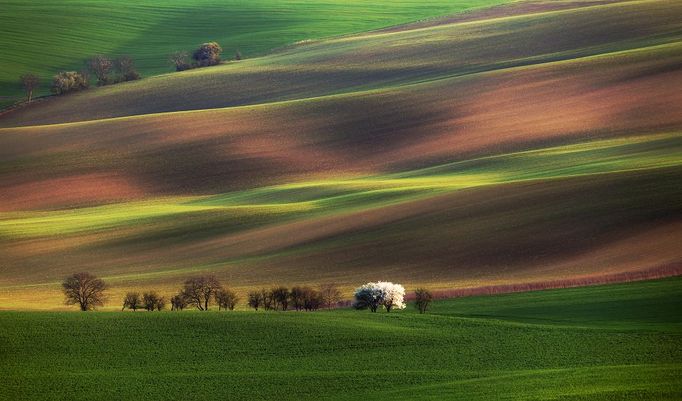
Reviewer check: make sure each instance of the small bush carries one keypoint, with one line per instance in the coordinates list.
(69, 81)
(207, 54)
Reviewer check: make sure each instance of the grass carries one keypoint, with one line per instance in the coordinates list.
(594, 343)
(45, 37)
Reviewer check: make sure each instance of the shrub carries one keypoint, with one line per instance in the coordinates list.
(180, 61)
(207, 54)
(125, 67)
(69, 81)
(100, 66)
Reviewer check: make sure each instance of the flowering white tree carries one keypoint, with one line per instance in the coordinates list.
(373, 295)
(393, 295)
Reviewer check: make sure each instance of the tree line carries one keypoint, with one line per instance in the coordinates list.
(107, 70)
(200, 292)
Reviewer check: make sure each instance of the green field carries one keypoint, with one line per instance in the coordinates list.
(616, 342)
(46, 37)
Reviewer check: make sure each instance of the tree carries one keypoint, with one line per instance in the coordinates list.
(280, 297)
(160, 303)
(330, 294)
(422, 299)
(255, 299)
(237, 55)
(84, 289)
(132, 301)
(150, 300)
(268, 299)
(207, 54)
(125, 67)
(30, 83)
(381, 293)
(312, 300)
(178, 302)
(297, 297)
(226, 299)
(180, 61)
(393, 295)
(68, 81)
(100, 66)
(199, 290)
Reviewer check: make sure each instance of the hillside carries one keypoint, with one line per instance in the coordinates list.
(595, 343)
(46, 37)
(521, 144)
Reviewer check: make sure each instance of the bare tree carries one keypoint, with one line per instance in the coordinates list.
(132, 301)
(226, 299)
(178, 302)
(125, 66)
(280, 297)
(255, 299)
(100, 66)
(297, 297)
(330, 294)
(268, 299)
(29, 82)
(199, 290)
(149, 300)
(423, 298)
(160, 303)
(180, 60)
(84, 289)
(312, 299)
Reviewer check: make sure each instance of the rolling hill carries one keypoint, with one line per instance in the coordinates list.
(46, 37)
(522, 143)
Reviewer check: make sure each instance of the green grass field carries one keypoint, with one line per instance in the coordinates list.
(44, 37)
(615, 342)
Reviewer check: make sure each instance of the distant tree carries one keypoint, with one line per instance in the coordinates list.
(84, 289)
(297, 298)
(160, 303)
(237, 55)
(150, 300)
(100, 66)
(178, 302)
(280, 297)
(368, 296)
(125, 67)
(132, 301)
(207, 54)
(382, 293)
(199, 290)
(226, 299)
(393, 295)
(330, 294)
(180, 61)
(312, 299)
(268, 299)
(423, 298)
(255, 299)
(68, 81)
(29, 82)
